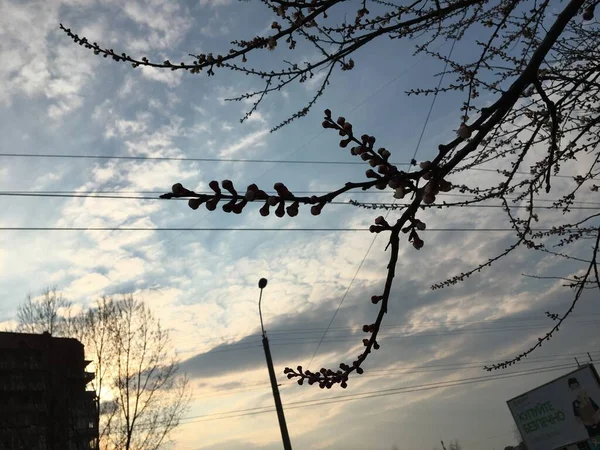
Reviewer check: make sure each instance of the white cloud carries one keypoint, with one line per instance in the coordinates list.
(169, 77)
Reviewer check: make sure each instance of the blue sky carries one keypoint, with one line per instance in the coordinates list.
(59, 98)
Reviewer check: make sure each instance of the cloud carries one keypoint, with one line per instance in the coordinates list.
(170, 78)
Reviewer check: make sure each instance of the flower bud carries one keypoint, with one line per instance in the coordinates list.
(445, 186)
(399, 193)
(420, 225)
(292, 210)
(376, 345)
(370, 173)
(418, 243)
(272, 201)
(313, 199)
(327, 113)
(380, 220)
(214, 185)
(211, 205)
(376, 299)
(227, 184)
(428, 199)
(177, 189)
(341, 121)
(280, 211)
(365, 342)
(194, 203)
(264, 211)
(464, 132)
(359, 370)
(375, 229)
(372, 162)
(393, 184)
(425, 165)
(316, 209)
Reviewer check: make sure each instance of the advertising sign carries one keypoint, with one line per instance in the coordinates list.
(559, 413)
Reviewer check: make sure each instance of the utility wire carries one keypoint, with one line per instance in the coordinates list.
(423, 325)
(100, 195)
(371, 394)
(240, 160)
(380, 373)
(140, 195)
(486, 230)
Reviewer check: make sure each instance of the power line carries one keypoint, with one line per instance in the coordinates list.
(486, 230)
(372, 394)
(101, 195)
(377, 192)
(282, 340)
(423, 325)
(247, 387)
(235, 160)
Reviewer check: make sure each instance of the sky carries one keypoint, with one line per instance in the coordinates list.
(58, 98)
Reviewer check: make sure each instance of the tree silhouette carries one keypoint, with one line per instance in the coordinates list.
(140, 394)
(538, 65)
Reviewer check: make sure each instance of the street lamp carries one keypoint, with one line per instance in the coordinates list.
(262, 283)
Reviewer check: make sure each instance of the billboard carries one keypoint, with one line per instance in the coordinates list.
(559, 413)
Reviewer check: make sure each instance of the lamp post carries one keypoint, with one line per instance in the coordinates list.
(262, 283)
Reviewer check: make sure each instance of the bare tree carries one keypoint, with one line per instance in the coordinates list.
(149, 394)
(48, 313)
(140, 394)
(538, 69)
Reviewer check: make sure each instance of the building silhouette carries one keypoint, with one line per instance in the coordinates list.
(44, 402)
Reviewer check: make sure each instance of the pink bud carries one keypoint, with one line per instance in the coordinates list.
(418, 244)
(292, 210)
(264, 211)
(380, 220)
(464, 132)
(399, 193)
(428, 199)
(194, 203)
(280, 211)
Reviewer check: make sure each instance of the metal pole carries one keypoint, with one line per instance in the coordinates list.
(578, 365)
(590, 356)
(278, 406)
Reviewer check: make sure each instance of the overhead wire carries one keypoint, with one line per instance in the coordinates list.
(228, 160)
(372, 394)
